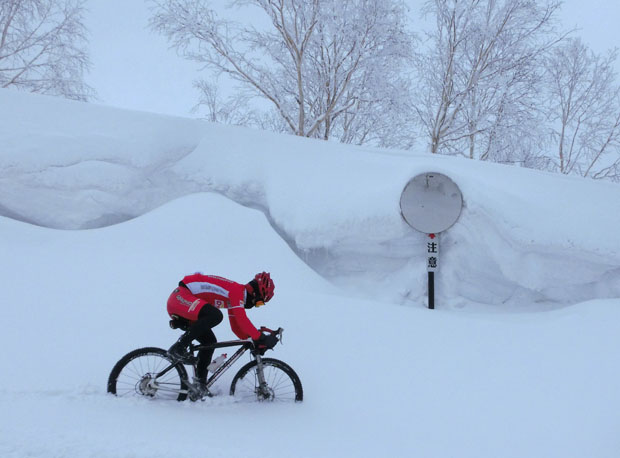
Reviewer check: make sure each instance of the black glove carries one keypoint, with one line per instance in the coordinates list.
(266, 340)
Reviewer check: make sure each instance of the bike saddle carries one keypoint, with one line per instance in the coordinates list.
(178, 322)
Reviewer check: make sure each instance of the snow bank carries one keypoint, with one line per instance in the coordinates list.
(523, 237)
(67, 164)
(379, 379)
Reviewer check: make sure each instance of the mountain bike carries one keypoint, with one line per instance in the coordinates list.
(149, 372)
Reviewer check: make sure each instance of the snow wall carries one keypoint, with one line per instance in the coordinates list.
(524, 237)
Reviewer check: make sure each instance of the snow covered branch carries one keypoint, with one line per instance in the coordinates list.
(584, 111)
(319, 63)
(42, 47)
(479, 77)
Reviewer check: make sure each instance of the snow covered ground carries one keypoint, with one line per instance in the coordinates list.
(382, 375)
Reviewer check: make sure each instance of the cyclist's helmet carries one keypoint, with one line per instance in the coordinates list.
(263, 287)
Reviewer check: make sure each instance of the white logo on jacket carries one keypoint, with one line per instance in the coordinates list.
(198, 287)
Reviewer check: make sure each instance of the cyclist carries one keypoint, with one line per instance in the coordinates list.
(199, 299)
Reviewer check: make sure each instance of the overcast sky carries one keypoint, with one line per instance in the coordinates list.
(133, 67)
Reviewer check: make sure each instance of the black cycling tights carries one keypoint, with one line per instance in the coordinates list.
(208, 318)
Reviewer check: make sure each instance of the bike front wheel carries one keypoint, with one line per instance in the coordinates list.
(282, 383)
(135, 375)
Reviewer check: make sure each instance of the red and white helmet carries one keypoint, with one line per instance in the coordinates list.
(265, 286)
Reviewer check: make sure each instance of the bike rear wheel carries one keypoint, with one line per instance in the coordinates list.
(134, 376)
(283, 384)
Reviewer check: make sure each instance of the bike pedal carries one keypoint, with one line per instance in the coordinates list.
(200, 397)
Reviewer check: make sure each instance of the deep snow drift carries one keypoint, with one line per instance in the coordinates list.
(523, 237)
(379, 379)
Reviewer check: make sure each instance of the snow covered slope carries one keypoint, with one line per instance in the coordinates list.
(524, 237)
(379, 379)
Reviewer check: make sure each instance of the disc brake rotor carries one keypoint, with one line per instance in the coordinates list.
(266, 393)
(145, 386)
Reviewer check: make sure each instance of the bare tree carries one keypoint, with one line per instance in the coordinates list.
(479, 76)
(318, 63)
(584, 109)
(224, 110)
(42, 47)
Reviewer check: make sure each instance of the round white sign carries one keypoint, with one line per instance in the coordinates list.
(431, 203)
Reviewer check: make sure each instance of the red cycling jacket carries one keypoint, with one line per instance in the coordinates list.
(217, 291)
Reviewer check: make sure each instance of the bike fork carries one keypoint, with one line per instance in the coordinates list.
(259, 371)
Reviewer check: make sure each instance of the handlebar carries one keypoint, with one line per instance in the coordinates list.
(271, 331)
(277, 333)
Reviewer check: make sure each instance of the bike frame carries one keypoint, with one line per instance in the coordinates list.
(244, 345)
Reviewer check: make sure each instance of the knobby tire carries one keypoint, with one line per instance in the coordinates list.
(283, 382)
(133, 368)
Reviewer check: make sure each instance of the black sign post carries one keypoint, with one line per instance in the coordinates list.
(432, 255)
